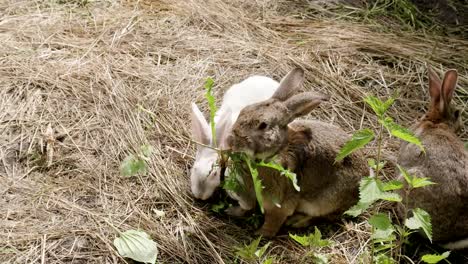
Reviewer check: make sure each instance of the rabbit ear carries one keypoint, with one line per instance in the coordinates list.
(200, 128)
(303, 103)
(289, 84)
(222, 128)
(448, 85)
(435, 91)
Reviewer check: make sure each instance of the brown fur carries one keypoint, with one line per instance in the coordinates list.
(308, 148)
(445, 163)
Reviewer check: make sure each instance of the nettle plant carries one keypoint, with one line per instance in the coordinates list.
(388, 238)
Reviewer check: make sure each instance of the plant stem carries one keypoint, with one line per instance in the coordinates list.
(379, 151)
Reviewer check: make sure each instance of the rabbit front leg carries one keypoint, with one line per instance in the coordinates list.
(275, 217)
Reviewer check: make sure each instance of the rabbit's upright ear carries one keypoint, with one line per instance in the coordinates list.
(448, 86)
(289, 84)
(435, 91)
(200, 128)
(303, 103)
(222, 129)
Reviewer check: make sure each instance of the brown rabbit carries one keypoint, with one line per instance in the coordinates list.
(308, 148)
(445, 163)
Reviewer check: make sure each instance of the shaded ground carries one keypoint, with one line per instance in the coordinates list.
(111, 76)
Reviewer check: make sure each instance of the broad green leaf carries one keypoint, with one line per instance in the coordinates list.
(421, 182)
(402, 133)
(218, 208)
(319, 258)
(369, 190)
(380, 221)
(132, 165)
(290, 175)
(136, 245)
(357, 209)
(376, 104)
(432, 259)
(384, 234)
(258, 187)
(392, 197)
(421, 219)
(392, 185)
(314, 240)
(268, 260)
(212, 105)
(358, 140)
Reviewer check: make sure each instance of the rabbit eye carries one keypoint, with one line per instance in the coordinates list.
(262, 126)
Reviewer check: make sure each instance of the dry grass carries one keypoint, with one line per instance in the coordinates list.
(110, 76)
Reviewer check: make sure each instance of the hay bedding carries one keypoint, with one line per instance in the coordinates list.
(110, 76)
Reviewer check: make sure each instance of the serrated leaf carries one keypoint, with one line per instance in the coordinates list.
(408, 178)
(290, 175)
(392, 197)
(212, 105)
(384, 234)
(302, 240)
(258, 187)
(268, 261)
(314, 239)
(132, 165)
(248, 252)
(402, 133)
(358, 140)
(376, 104)
(137, 245)
(420, 220)
(380, 221)
(387, 104)
(435, 258)
(369, 190)
(357, 209)
(392, 185)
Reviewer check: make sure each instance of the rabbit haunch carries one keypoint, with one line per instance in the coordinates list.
(308, 148)
(205, 175)
(445, 162)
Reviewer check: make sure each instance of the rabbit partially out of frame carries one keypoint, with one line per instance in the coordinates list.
(308, 147)
(445, 162)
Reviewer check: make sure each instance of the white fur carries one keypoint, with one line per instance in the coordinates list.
(204, 176)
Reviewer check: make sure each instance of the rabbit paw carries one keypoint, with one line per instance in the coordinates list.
(264, 232)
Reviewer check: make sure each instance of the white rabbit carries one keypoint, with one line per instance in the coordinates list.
(205, 174)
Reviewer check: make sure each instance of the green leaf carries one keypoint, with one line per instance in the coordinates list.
(218, 208)
(146, 150)
(248, 252)
(414, 182)
(384, 234)
(359, 139)
(259, 253)
(314, 240)
(268, 261)
(319, 258)
(376, 104)
(432, 259)
(402, 133)
(290, 175)
(392, 185)
(392, 197)
(132, 165)
(380, 221)
(258, 187)
(388, 103)
(136, 245)
(369, 190)
(212, 105)
(357, 209)
(420, 220)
